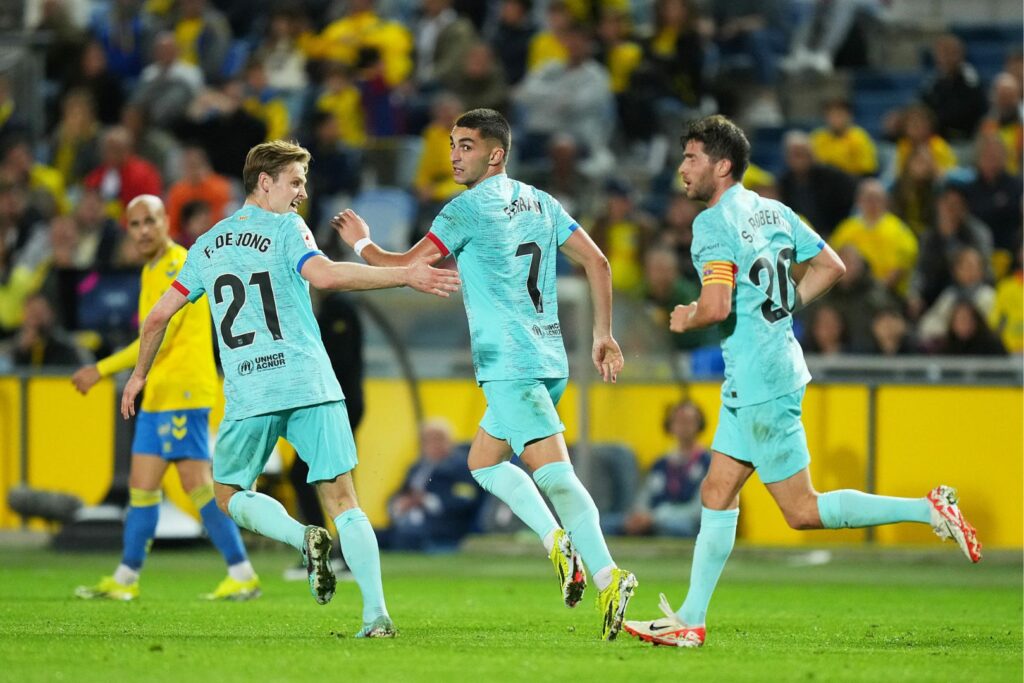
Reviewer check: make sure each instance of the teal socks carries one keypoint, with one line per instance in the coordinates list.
(714, 544)
(513, 486)
(265, 516)
(577, 511)
(846, 509)
(359, 546)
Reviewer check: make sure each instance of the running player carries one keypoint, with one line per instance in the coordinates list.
(745, 247)
(256, 267)
(504, 235)
(173, 425)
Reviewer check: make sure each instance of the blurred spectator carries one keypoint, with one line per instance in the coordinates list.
(623, 234)
(616, 50)
(823, 30)
(843, 144)
(74, 144)
(479, 81)
(573, 98)
(341, 98)
(890, 333)
(168, 85)
(103, 83)
(203, 36)
(154, 144)
(336, 171)
(280, 53)
(438, 502)
(968, 335)
(668, 503)
(380, 108)
(511, 37)
(918, 132)
(548, 45)
(562, 176)
(858, 297)
(826, 332)
(22, 226)
(888, 245)
(954, 229)
(40, 342)
(664, 289)
(196, 219)
(122, 176)
(953, 93)
(994, 196)
(916, 190)
(1004, 118)
(123, 32)
(217, 122)
(12, 121)
(358, 29)
(671, 76)
(1007, 315)
(822, 195)
(64, 47)
(442, 40)
(677, 233)
(968, 285)
(98, 234)
(198, 183)
(264, 102)
(45, 184)
(434, 183)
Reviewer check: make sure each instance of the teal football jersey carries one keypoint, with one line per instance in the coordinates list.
(270, 346)
(762, 239)
(505, 237)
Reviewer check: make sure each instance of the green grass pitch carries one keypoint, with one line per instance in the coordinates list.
(493, 614)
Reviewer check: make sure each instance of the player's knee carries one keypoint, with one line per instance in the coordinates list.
(715, 496)
(223, 497)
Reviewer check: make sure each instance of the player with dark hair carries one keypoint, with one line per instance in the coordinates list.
(745, 247)
(257, 266)
(504, 235)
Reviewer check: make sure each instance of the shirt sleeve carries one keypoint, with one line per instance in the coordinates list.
(565, 225)
(452, 228)
(189, 281)
(808, 242)
(713, 257)
(299, 244)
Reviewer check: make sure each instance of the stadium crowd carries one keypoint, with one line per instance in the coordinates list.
(166, 96)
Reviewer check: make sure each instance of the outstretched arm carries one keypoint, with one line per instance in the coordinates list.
(354, 231)
(323, 273)
(607, 355)
(823, 271)
(153, 330)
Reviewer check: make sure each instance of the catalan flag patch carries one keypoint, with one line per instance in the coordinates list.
(719, 273)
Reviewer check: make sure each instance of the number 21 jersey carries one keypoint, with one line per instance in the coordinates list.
(270, 346)
(758, 240)
(505, 236)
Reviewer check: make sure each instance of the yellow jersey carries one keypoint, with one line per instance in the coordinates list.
(183, 375)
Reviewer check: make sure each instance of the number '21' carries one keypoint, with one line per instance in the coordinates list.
(238, 295)
(772, 310)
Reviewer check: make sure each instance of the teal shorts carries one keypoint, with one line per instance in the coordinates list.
(522, 410)
(320, 434)
(770, 436)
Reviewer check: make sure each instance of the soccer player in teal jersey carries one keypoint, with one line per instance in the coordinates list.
(504, 236)
(745, 246)
(256, 267)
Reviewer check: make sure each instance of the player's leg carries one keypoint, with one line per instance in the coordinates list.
(241, 582)
(322, 436)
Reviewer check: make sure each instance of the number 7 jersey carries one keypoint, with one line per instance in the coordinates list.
(754, 242)
(270, 347)
(505, 236)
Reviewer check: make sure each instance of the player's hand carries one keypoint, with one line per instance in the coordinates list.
(681, 315)
(350, 227)
(607, 358)
(437, 281)
(85, 378)
(131, 391)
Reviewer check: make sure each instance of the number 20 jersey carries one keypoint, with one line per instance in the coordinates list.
(270, 347)
(761, 238)
(505, 236)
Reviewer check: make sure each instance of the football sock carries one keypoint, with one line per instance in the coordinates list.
(603, 577)
(242, 571)
(265, 516)
(222, 531)
(125, 575)
(847, 508)
(359, 545)
(513, 486)
(577, 511)
(140, 526)
(714, 544)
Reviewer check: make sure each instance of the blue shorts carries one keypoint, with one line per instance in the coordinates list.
(522, 410)
(320, 434)
(770, 436)
(173, 434)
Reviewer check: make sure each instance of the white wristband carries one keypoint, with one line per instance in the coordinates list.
(360, 245)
